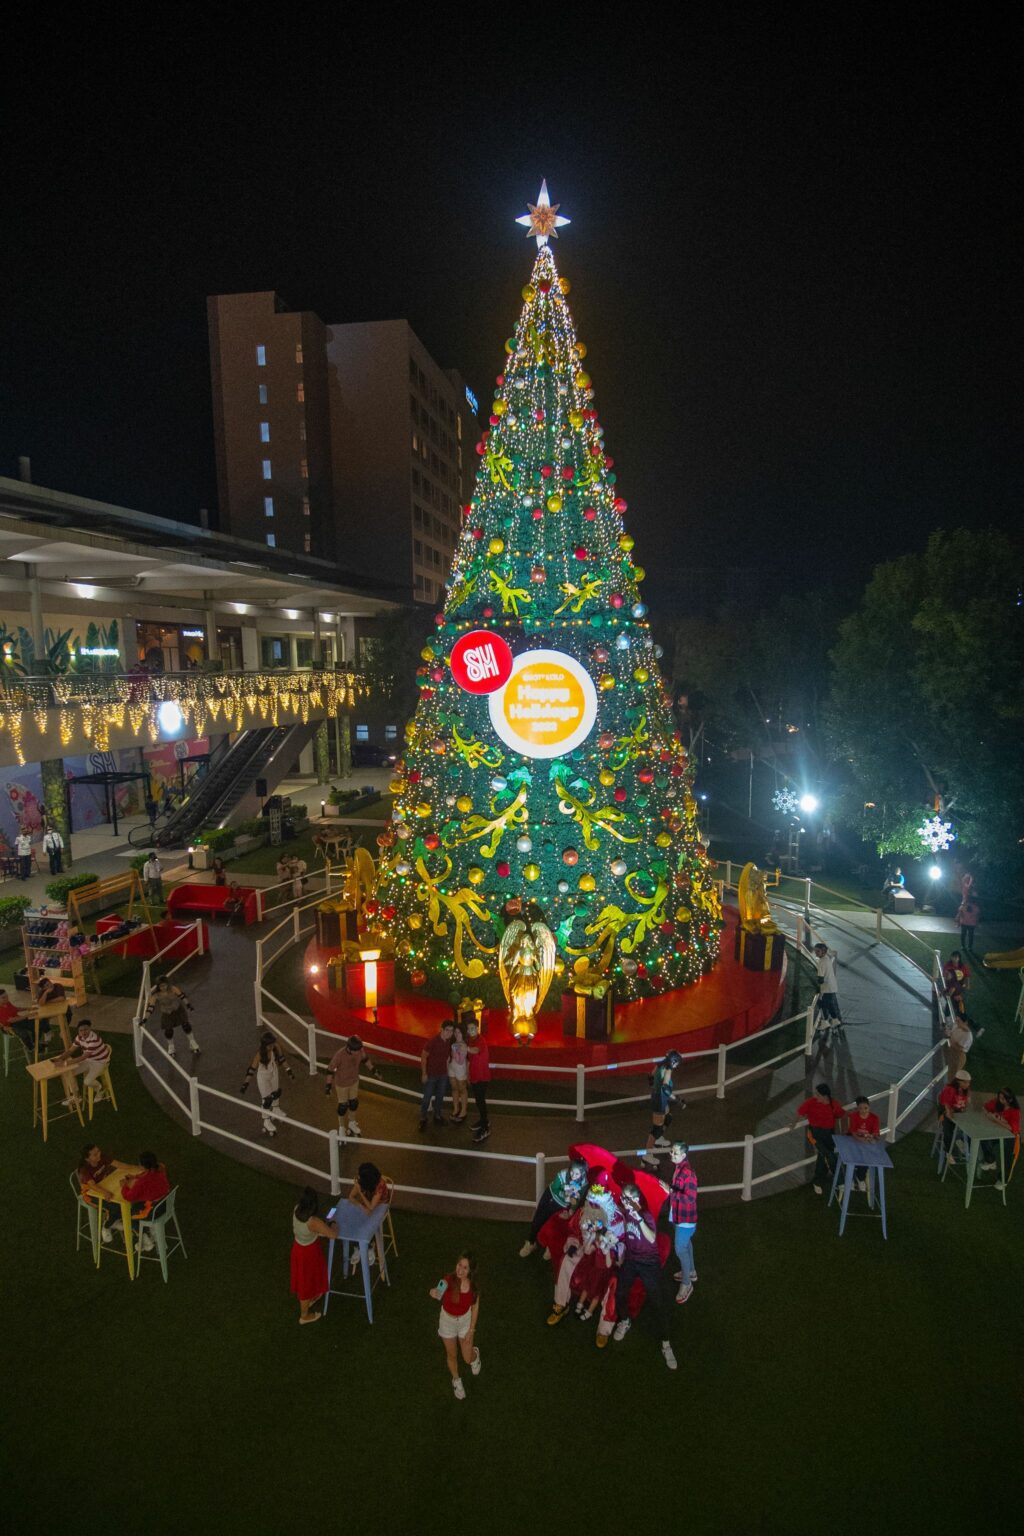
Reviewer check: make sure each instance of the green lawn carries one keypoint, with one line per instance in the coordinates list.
(203, 1405)
(263, 861)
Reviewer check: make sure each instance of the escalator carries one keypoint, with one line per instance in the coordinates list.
(227, 790)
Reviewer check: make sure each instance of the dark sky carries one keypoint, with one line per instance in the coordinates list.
(790, 250)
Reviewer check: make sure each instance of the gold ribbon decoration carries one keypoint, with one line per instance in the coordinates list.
(613, 920)
(499, 466)
(510, 596)
(576, 596)
(477, 826)
(475, 754)
(462, 907)
(591, 821)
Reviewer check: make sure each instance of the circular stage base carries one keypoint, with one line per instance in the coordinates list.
(727, 1005)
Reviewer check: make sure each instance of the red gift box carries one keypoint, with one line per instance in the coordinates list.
(760, 951)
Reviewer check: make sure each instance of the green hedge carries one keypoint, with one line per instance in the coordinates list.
(12, 910)
(215, 838)
(57, 890)
(254, 827)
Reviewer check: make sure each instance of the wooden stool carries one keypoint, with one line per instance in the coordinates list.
(90, 1092)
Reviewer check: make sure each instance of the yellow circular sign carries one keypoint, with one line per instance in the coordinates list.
(547, 707)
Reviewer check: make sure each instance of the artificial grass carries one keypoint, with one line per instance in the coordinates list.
(263, 861)
(819, 1378)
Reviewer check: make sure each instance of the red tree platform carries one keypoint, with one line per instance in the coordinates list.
(728, 1005)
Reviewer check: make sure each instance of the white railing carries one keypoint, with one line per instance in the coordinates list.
(330, 1142)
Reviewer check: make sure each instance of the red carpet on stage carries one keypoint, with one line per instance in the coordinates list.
(727, 1005)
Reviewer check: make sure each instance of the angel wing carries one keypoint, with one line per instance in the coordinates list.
(510, 941)
(544, 941)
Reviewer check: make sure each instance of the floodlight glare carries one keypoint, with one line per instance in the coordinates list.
(169, 716)
(808, 804)
(935, 873)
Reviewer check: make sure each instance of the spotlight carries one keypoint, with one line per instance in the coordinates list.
(935, 873)
(169, 717)
(808, 804)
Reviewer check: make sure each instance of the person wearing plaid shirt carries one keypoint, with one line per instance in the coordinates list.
(682, 1213)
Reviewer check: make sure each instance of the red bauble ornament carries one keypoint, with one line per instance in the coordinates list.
(545, 471)
(389, 913)
(589, 513)
(620, 504)
(580, 553)
(595, 450)
(432, 841)
(600, 654)
(478, 533)
(570, 857)
(415, 776)
(480, 449)
(567, 471)
(488, 613)
(608, 463)
(646, 776)
(544, 286)
(616, 599)
(371, 908)
(620, 794)
(438, 619)
(503, 869)
(418, 978)
(641, 968)
(538, 513)
(538, 414)
(437, 674)
(667, 929)
(500, 380)
(467, 510)
(606, 741)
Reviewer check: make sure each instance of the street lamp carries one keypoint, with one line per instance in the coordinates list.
(808, 804)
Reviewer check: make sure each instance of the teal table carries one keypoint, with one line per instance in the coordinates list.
(852, 1153)
(971, 1127)
(361, 1227)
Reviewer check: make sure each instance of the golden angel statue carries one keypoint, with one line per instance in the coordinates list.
(755, 913)
(526, 964)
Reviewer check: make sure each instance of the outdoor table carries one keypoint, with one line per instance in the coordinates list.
(853, 1153)
(58, 1010)
(42, 1074)
(973, 1127)
(357, 1226)
(111, 1186)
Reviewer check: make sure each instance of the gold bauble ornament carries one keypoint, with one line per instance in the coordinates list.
(475, 874)
(531, 872)
(464, 804)
(529, 293)
(496, 546)
(554, 503)
(638, 573)
(423, 809)
(396, 787)
(581, 350)
(497, 407)
(415, 921)
(588, 883)
(663, 840)
(605, 682)
(427, 653)
(626, 543)
(683, 914)
(641, 675)
(582, 379)
(606, 777)
(563, 283)
(576, 420)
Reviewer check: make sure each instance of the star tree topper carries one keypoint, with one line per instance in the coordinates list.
(543, 218)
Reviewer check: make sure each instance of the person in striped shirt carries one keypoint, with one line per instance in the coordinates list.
(89, 1054)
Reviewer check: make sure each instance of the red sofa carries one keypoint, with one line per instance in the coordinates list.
(210, 898)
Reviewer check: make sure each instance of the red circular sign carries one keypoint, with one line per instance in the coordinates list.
(481, 661)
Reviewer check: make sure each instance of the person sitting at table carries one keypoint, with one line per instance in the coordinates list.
(822, 1114)
(14, 1021)
(93, 1167)
(144, 1191)
(89, 1054)
(369, 1188)
(865, 1126)
(1004, 1110)
(953, 1100)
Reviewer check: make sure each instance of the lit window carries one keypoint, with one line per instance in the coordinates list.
(307, 542)
(391, 733)
(362, 733)
(304, 468)
(300, 391)
(267, 472)
(261, 357)
(305, 506)
(298, 352)
(271, 541)
(268, 506)
(263, 394)
(264, 431)
(302, 430)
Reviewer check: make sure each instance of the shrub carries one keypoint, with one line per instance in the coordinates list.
(12, 910)
(215, 838)
(254, 827)
(57, 890)
(138, 861)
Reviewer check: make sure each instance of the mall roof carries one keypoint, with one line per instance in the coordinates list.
(117, 550)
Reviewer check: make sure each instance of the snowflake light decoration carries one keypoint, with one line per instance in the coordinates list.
(936, 834)
(786, 801)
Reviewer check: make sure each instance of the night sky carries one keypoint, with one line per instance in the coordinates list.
(790, 252)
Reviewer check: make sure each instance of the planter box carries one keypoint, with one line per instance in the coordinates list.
(202, 858)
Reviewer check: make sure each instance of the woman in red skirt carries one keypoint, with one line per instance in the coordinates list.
(309, 1267)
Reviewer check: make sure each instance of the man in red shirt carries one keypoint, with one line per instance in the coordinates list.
(866, 1127)
(822, 1114)
(1004, 1110)
(145, 1190)
(479, 1077)
(434, 1074)
(15, 1022)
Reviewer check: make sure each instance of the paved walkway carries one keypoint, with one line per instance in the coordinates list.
(885, 1001)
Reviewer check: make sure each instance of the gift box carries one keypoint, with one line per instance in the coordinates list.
(585, 1016)
(335, 925)
(369, 983)
(760, 951)
(470, 1010)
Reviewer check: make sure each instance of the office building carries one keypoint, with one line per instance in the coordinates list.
(346, 442)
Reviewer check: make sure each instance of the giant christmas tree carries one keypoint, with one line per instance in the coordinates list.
(563, 784)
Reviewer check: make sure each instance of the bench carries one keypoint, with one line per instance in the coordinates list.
(211, 898)
(148, 941)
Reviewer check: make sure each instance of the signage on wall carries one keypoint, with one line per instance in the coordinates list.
(481, 661)
(98, 650)
(547, 706)
(471, 398)
(194, 634)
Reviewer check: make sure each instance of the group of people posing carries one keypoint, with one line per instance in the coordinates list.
(599, 1229)
(456, 1059)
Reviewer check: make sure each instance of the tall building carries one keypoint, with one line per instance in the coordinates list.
(347, 442)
